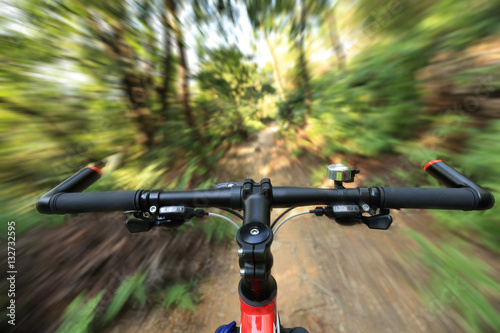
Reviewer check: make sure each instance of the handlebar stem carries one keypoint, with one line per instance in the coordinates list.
(257, 201)
(255, 238)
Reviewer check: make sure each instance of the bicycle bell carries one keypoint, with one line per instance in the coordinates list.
(340, 173)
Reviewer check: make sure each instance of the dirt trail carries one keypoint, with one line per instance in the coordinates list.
(330, 278)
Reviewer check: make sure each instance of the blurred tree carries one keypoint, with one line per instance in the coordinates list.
(216, 13)
(88, 80)
(135, 79)
(232, 79)
(302, 58)
(172, 6)
(264, 16)
(309, 11)
(337, 44)
(165, 89)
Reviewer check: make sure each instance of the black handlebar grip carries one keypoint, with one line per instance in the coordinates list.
(64, 203)
(76, 183)
(429, 198)
(450, 177)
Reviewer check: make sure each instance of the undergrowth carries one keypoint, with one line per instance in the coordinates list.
(459, 277)
(181, 295)
(84, 315)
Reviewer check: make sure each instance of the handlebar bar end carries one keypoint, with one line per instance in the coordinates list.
(74, 184)
(486, 199)
(428, 164)
(43, 205)
(450, 177)
(95, 169)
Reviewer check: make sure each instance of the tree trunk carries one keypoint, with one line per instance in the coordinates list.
(303, 64)
(185, 84)
(136, 91)
(138, 97)
(276, 70)
(134, 85)
(184, 71)
(167, 66)
(336, 42)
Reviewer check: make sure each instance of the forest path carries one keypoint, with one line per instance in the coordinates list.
(330, 278)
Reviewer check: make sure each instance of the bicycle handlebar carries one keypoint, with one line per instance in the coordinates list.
(67, 203)
(257, 288)
(466, 195)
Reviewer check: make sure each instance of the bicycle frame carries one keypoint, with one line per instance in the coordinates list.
(259, 319)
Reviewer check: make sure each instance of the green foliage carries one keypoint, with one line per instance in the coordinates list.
(456, 269)
(219, 230)
(90, 81)
(376, 107)
(317, 176)
(461, 281)
(295, 145)
(368, 110)
(375, 104)
(213, 227)
(131, 287)
(293, 108)
(86, 81)
(79, 315)
(429, 24)
(83, 99)
(180, 295)
(479, 161)
(234, 93)
(266, 15)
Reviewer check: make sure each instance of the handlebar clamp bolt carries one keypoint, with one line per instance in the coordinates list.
(254, 231)
(152, 209)
(365, 207)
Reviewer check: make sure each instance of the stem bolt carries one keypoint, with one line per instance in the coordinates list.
(254, 231)
(365, 207)
(152, 209)
(242, 272)
(240, 252)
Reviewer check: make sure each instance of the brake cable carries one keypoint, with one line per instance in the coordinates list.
(225, 218)
(231, 211)
(289, 218)
(274, 223)
(281, 215)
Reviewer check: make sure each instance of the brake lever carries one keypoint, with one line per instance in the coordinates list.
(145, 224)
(379, 221)
(139, 225)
